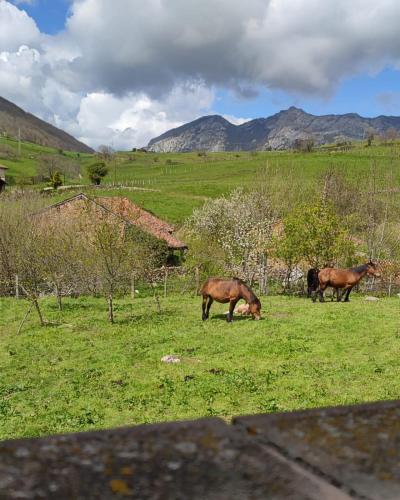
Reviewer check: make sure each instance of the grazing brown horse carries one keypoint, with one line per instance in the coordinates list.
(228, 290)
(343, 279)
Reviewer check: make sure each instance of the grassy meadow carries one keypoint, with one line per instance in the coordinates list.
(82, 373)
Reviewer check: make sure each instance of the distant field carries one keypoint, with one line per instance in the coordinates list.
(81, 373)
(184, 181)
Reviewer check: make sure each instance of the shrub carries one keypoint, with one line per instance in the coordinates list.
(97, 171)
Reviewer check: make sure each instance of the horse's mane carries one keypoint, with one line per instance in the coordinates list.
(359, 269)
(253, 298)
(235, 278)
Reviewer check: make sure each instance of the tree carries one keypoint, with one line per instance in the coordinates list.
(370, 138)
(50, 164)
(106, 255)
(30, 261)
(390, 135)
(105, 153)
(304, 145)
(55, 180)
(61, 254)
(97, 171)
(233, 234)
(314, 233)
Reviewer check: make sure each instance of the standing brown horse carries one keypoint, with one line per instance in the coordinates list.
(343, 279)
(228, 290)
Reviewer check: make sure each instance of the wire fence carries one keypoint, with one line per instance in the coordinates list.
(169, 281)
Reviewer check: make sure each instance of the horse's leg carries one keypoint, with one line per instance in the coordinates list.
(314, 294)
(210, 301)
(339, 294)
(321, 291)
(203, 307)
(346, 298)
(232, 305)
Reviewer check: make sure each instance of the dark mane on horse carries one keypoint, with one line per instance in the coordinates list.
(252, 297)
(359, 269)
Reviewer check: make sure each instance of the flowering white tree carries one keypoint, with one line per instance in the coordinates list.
(236, 231)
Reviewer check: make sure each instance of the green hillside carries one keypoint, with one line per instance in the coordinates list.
(171, 185)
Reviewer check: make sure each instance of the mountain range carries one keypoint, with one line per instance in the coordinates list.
(280, 131)
(14, 120)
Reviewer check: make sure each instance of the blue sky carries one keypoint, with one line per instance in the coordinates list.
(367, 95)
(50, 15)
(127, 74)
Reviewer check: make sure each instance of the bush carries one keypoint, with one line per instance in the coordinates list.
(97, 171)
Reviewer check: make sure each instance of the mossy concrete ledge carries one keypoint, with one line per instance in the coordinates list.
(339, 453)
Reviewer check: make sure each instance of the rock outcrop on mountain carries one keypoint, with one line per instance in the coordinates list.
(280, 131)
(14, 120)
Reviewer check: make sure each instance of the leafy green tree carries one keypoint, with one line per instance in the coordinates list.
(55, 180)
(314, 234)
(97, 171)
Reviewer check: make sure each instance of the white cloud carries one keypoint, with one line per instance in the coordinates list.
(296, 45)
(236, 120)
(131, 121)
(16, 28)
(125, 74)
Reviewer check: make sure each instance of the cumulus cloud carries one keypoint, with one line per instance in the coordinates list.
(16, 28)
(126, 74)
(136, 118)
(303, 46)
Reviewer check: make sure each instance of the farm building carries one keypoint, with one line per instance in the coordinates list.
(2, 177)
(123, 211)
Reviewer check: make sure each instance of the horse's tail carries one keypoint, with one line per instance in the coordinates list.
(312, 281)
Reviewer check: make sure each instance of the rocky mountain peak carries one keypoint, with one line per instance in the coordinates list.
(280, 131)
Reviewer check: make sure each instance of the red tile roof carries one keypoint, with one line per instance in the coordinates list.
(127, 211)
(145, 220)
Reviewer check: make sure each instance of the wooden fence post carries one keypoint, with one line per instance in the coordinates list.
(197, 278)
(133, 286)
(16, 287)
(166, 282)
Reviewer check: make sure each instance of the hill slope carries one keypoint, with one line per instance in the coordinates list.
(35, 130)
(214, 133)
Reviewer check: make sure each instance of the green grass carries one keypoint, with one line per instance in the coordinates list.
(179, 182)
(82, 373)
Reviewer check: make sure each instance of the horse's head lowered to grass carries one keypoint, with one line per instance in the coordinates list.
(255, 309)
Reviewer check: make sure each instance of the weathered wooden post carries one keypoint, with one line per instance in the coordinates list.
(390, 286)
(133, 293)
(165, 282)
(16, 287)
(197, 278)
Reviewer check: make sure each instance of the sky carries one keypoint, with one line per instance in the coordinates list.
(121, 72)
